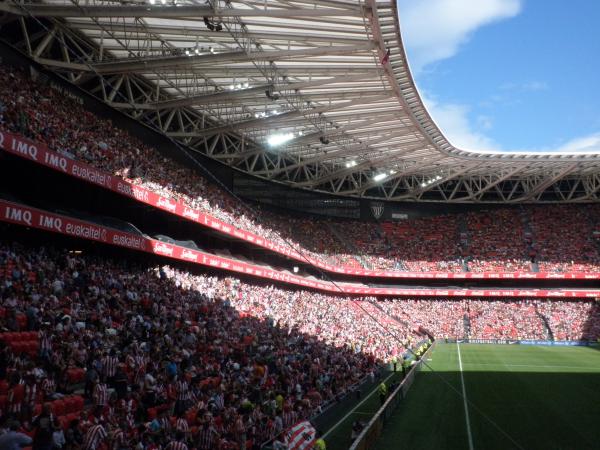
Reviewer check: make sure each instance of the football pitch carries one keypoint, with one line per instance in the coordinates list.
(504, 397)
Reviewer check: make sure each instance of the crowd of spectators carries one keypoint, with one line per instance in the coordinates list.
(490, 241)
(500, 319)
(565, 238)
(497, 242)
(420, 245)
(162, 357)
(166, 356)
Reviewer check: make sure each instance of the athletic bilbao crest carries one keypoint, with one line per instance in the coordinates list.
(377, 209)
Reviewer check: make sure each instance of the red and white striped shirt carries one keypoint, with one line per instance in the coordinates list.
(109, 365)
(182, 389)
(15, 398)
(289, 418)
(118, 439)
(100, 394)
(45, 341)
(94, 436)
(176, 445)
(31, 393)
(206, 437)
(165, 423)
(48, 386)
(182, 425)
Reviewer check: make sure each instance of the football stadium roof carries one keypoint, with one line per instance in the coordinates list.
(313, 94)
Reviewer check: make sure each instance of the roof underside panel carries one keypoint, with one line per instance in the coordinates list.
(298, 92)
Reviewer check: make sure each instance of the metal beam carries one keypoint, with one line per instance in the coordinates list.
(506, 176)
(266, 121)
(454, 174)
(542, 186)
(172, 11)
(151, 64)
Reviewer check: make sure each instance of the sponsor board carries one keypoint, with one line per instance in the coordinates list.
(522, 342)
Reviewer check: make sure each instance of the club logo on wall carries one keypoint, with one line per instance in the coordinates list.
(377, 209)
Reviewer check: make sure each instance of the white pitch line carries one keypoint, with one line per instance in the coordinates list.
(464, 392)
(355, 408)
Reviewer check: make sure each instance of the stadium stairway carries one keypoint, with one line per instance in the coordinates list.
(404, 323)
(546, 324)
(383, 319)
(463, 240)
(528, 236)
(349, 246)
(595, 226)
(467, 326)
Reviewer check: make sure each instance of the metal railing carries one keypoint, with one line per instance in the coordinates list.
(373, 429)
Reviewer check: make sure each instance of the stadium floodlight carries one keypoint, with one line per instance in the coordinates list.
(246, 85)
(164, 2)
(296, 269)
(380, 176)
(278, 139)
(152, 2)
(350, 164)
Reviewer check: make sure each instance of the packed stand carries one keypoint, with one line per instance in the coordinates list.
(442, 318)
(565, 239)
(46, 115)
(418, 245)
(122, 355)
(97, 353)
(572, 320)
(497, 242)
(499, 319)
(166, 356)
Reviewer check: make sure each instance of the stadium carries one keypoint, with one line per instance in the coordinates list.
(235, 225)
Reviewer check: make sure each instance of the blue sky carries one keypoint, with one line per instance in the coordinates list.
(517, 75)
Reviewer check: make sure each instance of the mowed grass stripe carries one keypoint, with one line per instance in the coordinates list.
(540, 407)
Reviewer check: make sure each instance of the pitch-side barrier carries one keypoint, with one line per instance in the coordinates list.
(369, 435)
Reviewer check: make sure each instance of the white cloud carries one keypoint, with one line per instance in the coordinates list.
(435, 29)
(589, 143)
(453, 119)
(530, 86)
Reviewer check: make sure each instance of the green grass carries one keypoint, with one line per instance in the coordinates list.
(520, 397)
(338, 435)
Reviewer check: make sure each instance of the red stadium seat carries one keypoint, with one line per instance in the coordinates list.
(78, 403)
(152, 413)
(58, 407)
